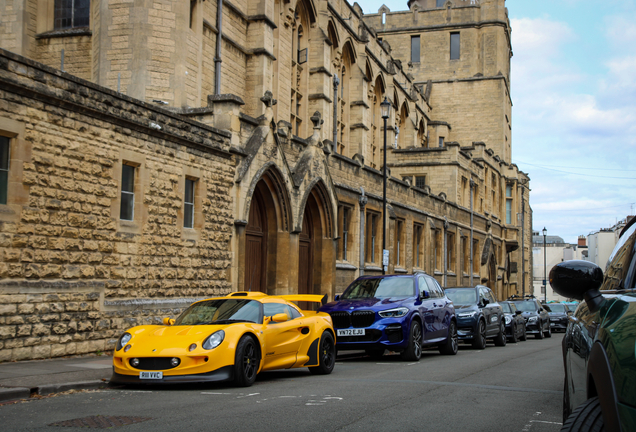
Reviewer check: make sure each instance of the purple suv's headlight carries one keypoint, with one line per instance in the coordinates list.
(394, 313)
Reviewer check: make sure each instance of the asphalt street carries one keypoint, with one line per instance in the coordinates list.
(514, 388)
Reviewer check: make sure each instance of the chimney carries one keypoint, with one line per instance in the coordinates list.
(582, 241)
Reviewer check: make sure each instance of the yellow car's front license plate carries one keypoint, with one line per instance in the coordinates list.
(351, 332)
(150, 375)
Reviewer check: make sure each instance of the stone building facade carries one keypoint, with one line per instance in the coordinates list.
(254, 134)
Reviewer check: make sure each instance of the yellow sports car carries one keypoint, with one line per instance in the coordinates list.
(228, 338)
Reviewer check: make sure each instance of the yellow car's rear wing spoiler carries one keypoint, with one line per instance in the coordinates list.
(312, 298)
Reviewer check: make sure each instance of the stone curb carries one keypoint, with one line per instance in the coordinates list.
(7, 394)
(62, 387)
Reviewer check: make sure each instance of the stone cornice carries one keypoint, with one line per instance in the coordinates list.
(438, 27)
(56, 88)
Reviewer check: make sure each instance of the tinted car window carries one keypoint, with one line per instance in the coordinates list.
(526, 306)
(506, 307)
(380, 288)
(482, 295)
(434, 287)
(271, 309)
(210, 311)
(462, 296)
(491, 297)
(617, 271)
(556, 307)
(421, 282)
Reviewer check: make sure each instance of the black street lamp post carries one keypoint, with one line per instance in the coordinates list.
(545, 284)
(385, 106)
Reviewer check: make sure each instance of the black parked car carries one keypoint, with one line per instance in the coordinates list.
(558, 316)
(515, 323)
(403, 313)
(536, 316)
(599, 391)
(479, 316)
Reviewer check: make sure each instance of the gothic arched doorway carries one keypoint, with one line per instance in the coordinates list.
(305, 255)
(256, 245)
(315, 251)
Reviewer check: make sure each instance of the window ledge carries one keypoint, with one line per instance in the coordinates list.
(438, 273)
(400, 270)
(373, 267)
(77, 31)
(345, 266)
(451, 274)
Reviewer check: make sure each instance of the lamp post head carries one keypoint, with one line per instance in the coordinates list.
(545, 232)
(385, 106)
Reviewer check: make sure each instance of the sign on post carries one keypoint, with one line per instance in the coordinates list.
(385, 257)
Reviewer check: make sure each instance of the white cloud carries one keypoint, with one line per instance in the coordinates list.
(540, 37)
(565, 116)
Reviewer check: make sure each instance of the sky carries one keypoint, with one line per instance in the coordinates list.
(573, 89)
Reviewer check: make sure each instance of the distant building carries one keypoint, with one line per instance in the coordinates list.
(556, 251)
(602, 242)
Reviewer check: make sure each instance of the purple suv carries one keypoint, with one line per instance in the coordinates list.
(403, 313)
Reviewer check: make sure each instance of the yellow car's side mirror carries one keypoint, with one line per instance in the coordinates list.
(281, 317)
(168, 321)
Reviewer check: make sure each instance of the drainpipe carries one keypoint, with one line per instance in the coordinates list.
(336, 81)
(363, 202)
(445, 251)
(217, 59)
(523, 246)
(472, 186)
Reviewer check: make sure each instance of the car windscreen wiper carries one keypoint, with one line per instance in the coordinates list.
(229, 321)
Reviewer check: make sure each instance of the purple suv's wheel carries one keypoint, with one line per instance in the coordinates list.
(451, 345)
(413, 351)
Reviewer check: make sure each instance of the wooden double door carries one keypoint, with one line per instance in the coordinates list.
(259, 234)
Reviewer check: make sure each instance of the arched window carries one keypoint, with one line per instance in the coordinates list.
(375, 148)
(300, 54)
(421, 134)
(403, 136)
(344, 101)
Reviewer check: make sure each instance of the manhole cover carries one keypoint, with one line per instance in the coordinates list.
(100, 421)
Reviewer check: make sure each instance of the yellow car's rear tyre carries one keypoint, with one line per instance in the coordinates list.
(326, 355)
(246, 362)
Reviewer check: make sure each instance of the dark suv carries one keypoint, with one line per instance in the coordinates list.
(598, 347)
(558, 316)
(403, 313)
(479, 316)
(536, 316)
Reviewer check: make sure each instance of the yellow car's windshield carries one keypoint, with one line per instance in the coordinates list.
(221, 311)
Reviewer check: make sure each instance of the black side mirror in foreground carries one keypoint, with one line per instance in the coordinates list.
(579, 280)
(518, 312)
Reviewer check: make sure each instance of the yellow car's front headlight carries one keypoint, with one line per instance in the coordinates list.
(214, 340)
(123, 340)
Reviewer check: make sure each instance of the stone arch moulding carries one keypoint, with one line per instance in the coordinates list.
(407, 109)
(382, 81)
(332, 32)
(329, 203)
(348, 46)
(310, 8)
(368, 72)
(275, 180)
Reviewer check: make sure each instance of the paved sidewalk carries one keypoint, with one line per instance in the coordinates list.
(18, 380)
(21, 380)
